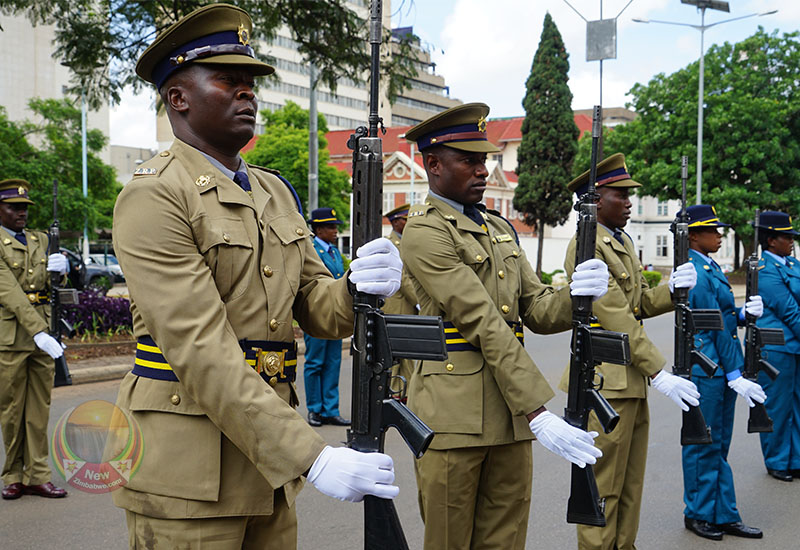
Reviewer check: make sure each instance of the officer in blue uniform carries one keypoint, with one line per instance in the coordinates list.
(707, 477)
(324, 357)
(779, 284)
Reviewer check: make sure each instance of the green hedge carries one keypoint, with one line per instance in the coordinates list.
(653, 278)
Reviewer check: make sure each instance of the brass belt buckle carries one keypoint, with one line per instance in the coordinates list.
(270, 362)
(33, 297)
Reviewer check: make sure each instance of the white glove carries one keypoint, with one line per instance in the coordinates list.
(590, 279)
(755, 307)
(377, 268)
(48, 344)
(564, 440)
(683, 276)
(349, 475)
(57, 263)
(748, 389)
(678, 389)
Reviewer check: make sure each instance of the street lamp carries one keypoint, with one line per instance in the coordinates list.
(703, 5)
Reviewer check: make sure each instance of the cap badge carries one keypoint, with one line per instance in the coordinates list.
(203, 180)
(482, 124)
(20, 191)
(244, 36)
(333, 212)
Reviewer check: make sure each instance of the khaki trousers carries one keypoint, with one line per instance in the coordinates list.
(26, 378)
(476, 498)
(620, 477)
(277, 531)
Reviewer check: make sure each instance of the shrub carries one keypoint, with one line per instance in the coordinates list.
(653, 278)
(99, 315)
(547, 278)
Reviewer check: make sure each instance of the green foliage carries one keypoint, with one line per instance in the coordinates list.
(653, 278)
(547, 278)
(57, 133)
(101, 40)
(284, 146)
(751, 131)
(549, 137)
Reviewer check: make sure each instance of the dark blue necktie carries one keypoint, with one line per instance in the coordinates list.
(21, 238)
(241, 179)
(472, 211)
(618, 236)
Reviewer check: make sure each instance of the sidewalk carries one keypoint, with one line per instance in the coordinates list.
(116, 367)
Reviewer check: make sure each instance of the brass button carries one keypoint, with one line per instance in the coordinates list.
(494, 241)
(733, 313)
(501, 274)
(30, 271)
(636, 309)
(42, 261)
(273, 324)
(226, 237)
(515, 253)
(33, 238)
(6, 241)
(267, 271)
(299, 231)
(163, 154)
(479, 258)
(273, 381)
(735, 337)
(32, 298)
(175, 399)
(450, 367)
(33, 286)
(505, 308)
(624, 275)
(15, 264)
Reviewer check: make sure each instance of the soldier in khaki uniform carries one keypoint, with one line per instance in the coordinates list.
(486, 401)
(218, 263)
(404, 301)
(620, 474)
(26, 349)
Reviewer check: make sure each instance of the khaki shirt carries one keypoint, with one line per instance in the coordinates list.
(478, 281)
(404, 301)
(628, 300)
(22, 270)
(206, 266)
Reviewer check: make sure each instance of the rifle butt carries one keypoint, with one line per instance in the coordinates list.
(759, 421)
(382, 529)
(694, 430)
(62, 375)
(585, 505)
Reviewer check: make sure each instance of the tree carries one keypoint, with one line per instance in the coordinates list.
(549, 138)
(57, 154)
(751, 133)
(284, 146)
(100, 40)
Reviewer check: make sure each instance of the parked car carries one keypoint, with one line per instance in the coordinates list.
(111, 262)
(87, 276)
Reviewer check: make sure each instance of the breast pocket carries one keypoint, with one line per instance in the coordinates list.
(291, 232)
(473, 255)
(621, 275)
(228, 253)
(8, 327)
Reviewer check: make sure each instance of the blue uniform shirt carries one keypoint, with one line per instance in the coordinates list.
(330, 256)
(714, 292)
(779, 287)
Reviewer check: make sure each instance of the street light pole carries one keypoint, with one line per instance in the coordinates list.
(702, 5)
(84, 176)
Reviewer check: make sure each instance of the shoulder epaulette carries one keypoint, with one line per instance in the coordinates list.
(155, 165)
(277, 174)
(419, 210)
(499, 215)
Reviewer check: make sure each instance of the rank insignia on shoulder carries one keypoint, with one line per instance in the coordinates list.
(449, 217)
(416, 213)
(504, 238)
(606, 240)
(203, 180)
(145, 172)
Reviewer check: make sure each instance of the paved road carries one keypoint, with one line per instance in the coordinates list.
(90, 521)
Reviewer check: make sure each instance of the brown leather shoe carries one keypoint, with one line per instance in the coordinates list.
(13, 491)
(47, 490)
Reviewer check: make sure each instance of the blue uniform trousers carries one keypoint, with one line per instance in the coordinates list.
(781, 447)
(323, 360)
(707, 476)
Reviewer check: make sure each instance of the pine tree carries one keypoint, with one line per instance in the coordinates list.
(549, 138)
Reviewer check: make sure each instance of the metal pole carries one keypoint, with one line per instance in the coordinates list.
(84, 176)
(313, 142)
(700, 108)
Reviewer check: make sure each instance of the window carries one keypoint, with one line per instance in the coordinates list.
(388, 202)
(662, 209)
(639, 207)
(661, 246)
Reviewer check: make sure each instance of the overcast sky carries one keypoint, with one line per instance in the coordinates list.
(484, 49)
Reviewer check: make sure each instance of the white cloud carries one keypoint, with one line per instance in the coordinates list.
(133, 121)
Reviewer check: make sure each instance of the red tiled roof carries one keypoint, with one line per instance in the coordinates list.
(511, 176)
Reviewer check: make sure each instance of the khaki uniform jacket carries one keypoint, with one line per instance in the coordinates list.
(628, 300)
(404, 301)
(22, 270)
(478, 281)
(206, 266)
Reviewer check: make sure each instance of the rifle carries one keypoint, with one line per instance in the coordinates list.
(379, 340)
(57, 297)
(755, 338)
(694, 430)
(590, 347)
